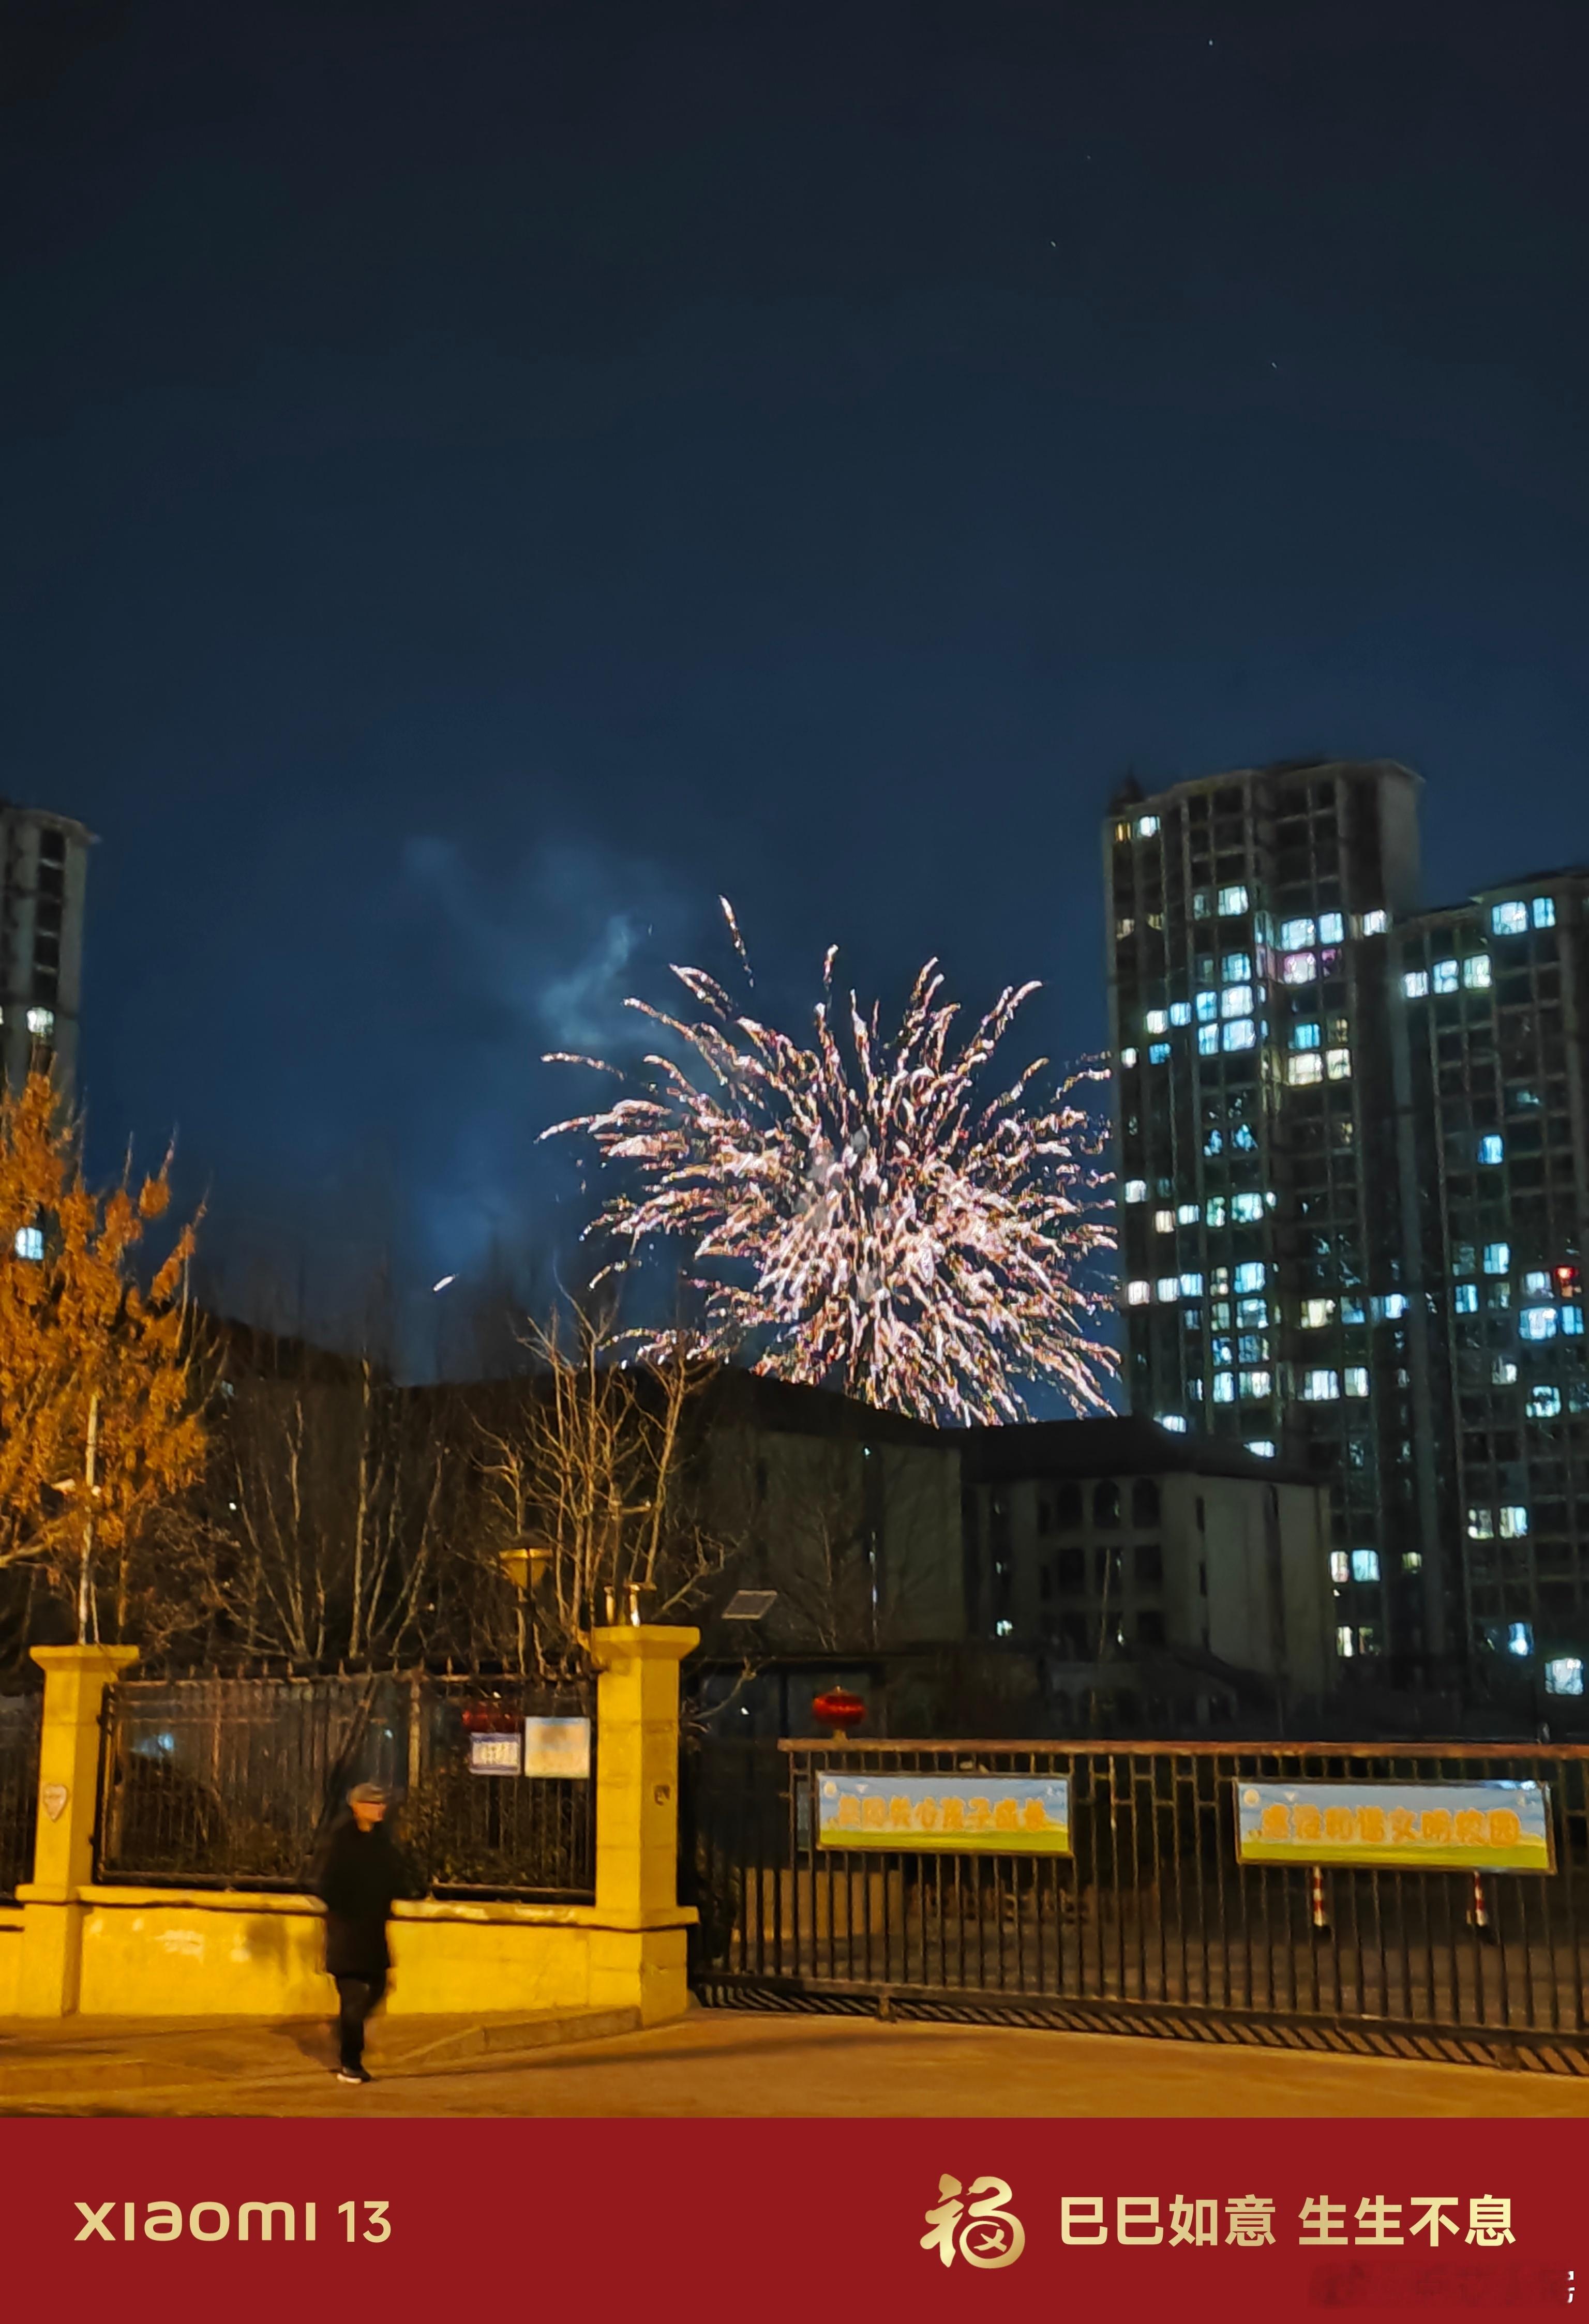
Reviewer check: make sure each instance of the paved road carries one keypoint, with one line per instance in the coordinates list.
(718, 2062)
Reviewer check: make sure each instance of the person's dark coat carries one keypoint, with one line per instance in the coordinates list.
(360, 1876)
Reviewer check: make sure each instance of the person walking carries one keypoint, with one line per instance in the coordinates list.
(361, 1874)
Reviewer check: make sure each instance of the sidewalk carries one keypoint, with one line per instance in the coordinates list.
(725, 2063)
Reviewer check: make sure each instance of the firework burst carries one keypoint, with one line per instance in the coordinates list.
(856, 1216)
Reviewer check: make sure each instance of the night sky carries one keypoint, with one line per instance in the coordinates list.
(481, 480)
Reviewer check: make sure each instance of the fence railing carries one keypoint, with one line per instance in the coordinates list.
(1151, 1922)
(234, 1782)
(19, 1785)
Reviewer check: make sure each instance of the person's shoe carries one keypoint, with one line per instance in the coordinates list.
(351, 2074)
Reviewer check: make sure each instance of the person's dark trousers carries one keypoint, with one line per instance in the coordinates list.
(355, 1997)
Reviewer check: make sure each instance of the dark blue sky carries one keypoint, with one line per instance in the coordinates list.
(479, 480)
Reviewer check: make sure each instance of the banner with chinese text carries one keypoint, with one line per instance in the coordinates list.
(999, 1815)
(1500, 1827)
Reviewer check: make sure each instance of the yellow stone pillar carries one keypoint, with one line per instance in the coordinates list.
(74, 1680)
(637, 1953)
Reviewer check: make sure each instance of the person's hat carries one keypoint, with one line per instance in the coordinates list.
(368, 1795)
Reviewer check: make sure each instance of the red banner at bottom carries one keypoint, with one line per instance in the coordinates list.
(796, 2220)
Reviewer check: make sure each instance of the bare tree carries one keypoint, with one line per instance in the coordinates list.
(592, 1502)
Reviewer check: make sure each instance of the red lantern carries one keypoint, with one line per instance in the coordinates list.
(840, 1711)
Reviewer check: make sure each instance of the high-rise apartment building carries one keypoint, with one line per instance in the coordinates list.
(43, 870)
(1351, 1146)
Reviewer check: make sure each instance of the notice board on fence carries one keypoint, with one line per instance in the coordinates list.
(964, 1813)
(1500, 1827)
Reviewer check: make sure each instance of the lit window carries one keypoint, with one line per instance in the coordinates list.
(1464, 1299)
(1544, 911)
(1415, 983)
(1214, 1141)
(1538, 1323)
(1122, 831)
(1332, 928)
(1295, 933)
(1242, 1034)
(1564, 1675)
(1365, 1565)
(1490, 1148)
(29, 1242)
(1252, 1275)
(41, 1023)
(1497, 1258)
(1338, 1064)
(1128, 1058)
(1317, 1314)
(1188, 1214)
(1536, 1283)
(1443, 976)
(1207, 1008)
(1391, 1307)
(1375, 924)
(1307, 1037)
(1343, 1644)
(1233, 900)
(1207, 1040)
(1159, 1053)
(1191, 1286)
(1412, 1560)
(1572, 1323)
(1544, 1402)
(1246, 1209)
(1502, 1372)
(1147, 826)
(1236, 1001)
(1256, 1386)
(1299, 967)
(1480, 1524)
(1215, 1209)
(1164, 1222)
(1180, 1012)
(1357, 1380)
(1138, 1294)
(1509, 919)
(1304, 1070)
(1157, 1020)
(1135, 1190)
(1200, 901)
(1225, 1388)
(1476, 970)
(1320, 1387)
(1235, 968)
(1174, 1420)
(1168, 1287)
(1263, 1446)
(1519, 1638)
(1340, 1566)
(1241, 1137)
(1123, 928)
(1514, 1522)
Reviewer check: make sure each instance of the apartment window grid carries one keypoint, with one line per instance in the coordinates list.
(1497, 1073)
(1231, 1125)
(1101, 1586)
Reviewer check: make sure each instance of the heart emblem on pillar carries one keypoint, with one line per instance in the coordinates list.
(55, 1797)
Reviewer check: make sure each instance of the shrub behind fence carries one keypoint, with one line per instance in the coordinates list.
(235, 1783)
(19, 1787)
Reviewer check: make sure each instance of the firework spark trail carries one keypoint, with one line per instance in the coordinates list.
(864, 1221)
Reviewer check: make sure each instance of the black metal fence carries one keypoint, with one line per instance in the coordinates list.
(1150, 1924)
(234, 1782)
(19, 1788)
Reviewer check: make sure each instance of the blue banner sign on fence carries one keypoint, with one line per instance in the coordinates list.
(974, 1814)
(496, 1755)
(1500, 1827)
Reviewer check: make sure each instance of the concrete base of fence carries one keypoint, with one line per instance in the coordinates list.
(127, 1951)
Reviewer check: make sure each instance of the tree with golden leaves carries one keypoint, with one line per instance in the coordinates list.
(100, 1410)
